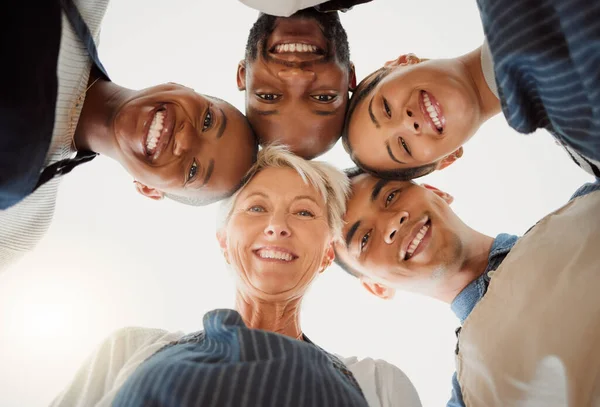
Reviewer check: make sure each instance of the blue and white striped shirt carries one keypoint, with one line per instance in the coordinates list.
(229, 364)
(547, 64)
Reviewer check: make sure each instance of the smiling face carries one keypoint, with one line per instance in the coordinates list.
(176, 141)
(401, 235)
(296, 76)
(413, 114)
(278, 237)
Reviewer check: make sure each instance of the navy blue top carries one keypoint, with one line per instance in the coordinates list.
(229, 364)
(546, 60)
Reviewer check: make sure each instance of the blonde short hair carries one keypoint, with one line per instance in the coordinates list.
(332, 184)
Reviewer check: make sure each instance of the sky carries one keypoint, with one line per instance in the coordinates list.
(113, 258)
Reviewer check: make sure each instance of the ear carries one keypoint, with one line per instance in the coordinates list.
(241, 75)
(450, 158)
(352, 79)
(378, 290)
(444, 195)
(405, 59)
(327, 258)
(222, 239)
(149, 192)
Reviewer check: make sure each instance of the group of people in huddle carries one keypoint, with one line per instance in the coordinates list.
(527, 305)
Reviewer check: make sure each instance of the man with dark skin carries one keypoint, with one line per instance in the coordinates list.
(297, 74)
(400, 235)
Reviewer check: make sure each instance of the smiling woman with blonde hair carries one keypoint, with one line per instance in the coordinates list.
(277, 235)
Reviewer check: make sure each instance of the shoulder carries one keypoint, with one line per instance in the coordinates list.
(587, 188)
(382, 383)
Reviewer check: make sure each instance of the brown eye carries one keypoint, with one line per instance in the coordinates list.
(364, 241)
(323, 98)
(388, 111)
(208, 120)
(193, 171)
(270, 97)
(390, 198)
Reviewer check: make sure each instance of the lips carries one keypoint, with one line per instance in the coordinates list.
(158, 131)
(275, 254)
(297, 50)
(432, 112)
(416, 241)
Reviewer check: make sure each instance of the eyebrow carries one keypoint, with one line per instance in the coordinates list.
(389, 150)
(377, 188)
(221, 127)
(209, 171)
(276, 112)
(351, 233)
(310, 198)
(373, 119)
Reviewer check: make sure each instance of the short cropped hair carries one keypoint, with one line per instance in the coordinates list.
(332, 184)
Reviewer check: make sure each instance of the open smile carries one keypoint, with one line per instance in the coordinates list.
(416, 241)
(275, 254)
(432, 112)
(158, 131)
(296, 51)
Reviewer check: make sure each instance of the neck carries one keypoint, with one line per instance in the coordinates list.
(477, 251)
(280, 317)
(94, 130)
(488, 102)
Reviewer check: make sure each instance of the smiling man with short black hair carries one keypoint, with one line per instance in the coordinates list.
(297, 74)
(400, 235)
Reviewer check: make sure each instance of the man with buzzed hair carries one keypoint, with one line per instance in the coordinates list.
(400, 235)
(297, 74)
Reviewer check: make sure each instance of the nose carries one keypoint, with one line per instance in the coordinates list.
(411, 122)
(277, 227)
(394, 225)
(183, 143)
(296, 78)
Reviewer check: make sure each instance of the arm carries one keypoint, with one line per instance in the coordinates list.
(104, 372)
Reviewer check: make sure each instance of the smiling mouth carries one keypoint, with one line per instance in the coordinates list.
(275, 254)
(406, 253)
(159, 132)
(296, 51)
(432, 111)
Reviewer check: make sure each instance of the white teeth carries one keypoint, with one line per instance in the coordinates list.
(155, 130)
(417, 240)
(274, 254)
(432, 112)
(295, 47)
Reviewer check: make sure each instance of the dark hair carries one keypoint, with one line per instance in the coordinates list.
(364, 88)
(345, 266)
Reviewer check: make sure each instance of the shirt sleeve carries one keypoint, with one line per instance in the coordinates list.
(456, 399)
(104, 372)
(382, 383)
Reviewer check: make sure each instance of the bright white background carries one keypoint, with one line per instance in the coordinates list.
(113, 259)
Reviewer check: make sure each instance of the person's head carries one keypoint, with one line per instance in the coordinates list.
(178, 143)
(412, 117)
(297, 74)
(277, 231)
(400, 235)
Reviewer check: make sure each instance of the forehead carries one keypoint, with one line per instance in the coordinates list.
(366, 191)
(281, 184)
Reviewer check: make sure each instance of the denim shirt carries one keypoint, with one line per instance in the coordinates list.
(468, 298)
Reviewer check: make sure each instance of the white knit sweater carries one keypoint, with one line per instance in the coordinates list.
(23, 225)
